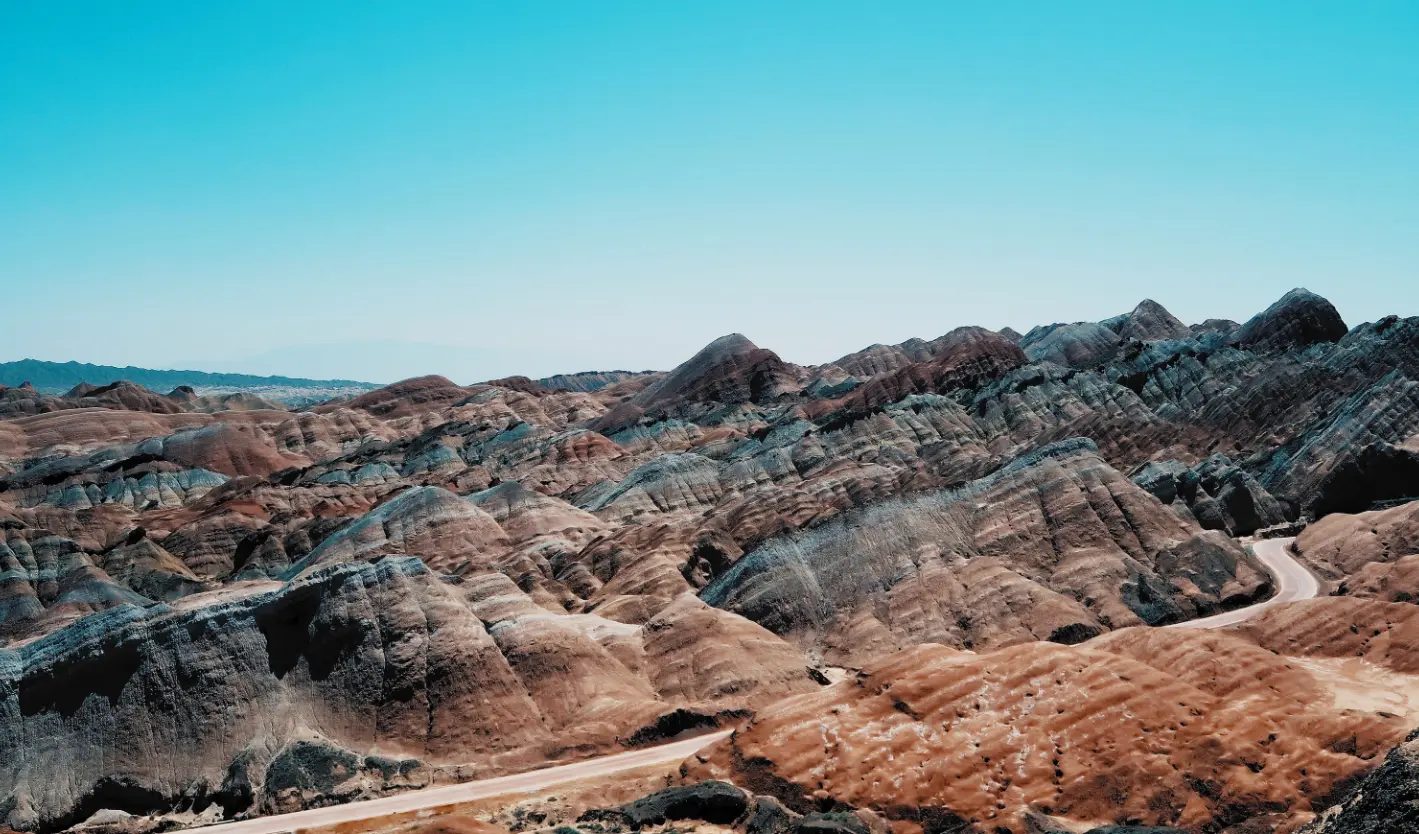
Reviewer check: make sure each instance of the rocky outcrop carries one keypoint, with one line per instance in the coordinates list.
(1217, 494)
(724, 805)
(714, 802)
(1384, 802)
(1298, 319)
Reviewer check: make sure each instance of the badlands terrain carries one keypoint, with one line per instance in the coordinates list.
(921, 584)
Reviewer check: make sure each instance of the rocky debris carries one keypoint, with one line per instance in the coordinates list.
(1386, 801)
(313, 772)
(1300, 318)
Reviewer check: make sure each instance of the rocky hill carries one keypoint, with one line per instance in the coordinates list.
(215, 606)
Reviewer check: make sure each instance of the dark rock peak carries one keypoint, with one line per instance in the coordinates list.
(1298, 319)
(83, 389)
(730, 369)
(1011, 333)
(1149, 322)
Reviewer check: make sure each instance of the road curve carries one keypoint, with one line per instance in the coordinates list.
(1293, 582)
(528, 782)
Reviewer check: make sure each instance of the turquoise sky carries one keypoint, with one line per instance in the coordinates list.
(377, 190)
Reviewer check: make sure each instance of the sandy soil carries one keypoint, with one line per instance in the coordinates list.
(1361, 685)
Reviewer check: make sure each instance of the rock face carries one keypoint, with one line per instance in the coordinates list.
(363, 654)
(210, 602)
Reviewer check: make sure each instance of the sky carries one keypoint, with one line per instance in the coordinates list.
(379, 190)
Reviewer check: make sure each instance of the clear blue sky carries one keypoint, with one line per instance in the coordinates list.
(374, 190)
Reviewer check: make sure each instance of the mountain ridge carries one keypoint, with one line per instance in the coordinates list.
(60, 377)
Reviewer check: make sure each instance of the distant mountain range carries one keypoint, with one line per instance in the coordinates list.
(58, 377)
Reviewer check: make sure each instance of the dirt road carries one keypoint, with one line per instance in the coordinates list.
(1293, 582)
(534, 780)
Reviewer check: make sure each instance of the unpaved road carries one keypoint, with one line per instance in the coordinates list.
(1293, 582)
(534, 780)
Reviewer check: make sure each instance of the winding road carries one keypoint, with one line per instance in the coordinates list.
(1293, 582)
(532, 780)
